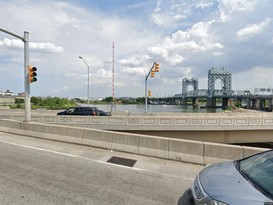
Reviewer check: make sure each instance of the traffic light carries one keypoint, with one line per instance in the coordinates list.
(32, 74)
(152, 73)
(149, 93)
(157, 67)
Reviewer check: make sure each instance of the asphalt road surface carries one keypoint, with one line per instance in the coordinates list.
(36, 171)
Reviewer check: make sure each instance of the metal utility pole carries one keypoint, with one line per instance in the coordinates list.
(87, 79)
(113, 105)
(25, 39)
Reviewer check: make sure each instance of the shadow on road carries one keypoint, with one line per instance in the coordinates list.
(186, 198)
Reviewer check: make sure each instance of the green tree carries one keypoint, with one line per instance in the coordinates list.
(108, 99)
(19, 100)
(140, 100)
(35, 100)
(51, 102)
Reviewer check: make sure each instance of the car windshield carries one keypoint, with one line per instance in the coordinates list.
(258, 169)
(70, 110)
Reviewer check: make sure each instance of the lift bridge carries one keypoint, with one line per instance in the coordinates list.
(261, 99)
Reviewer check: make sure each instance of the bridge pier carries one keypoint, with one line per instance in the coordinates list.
(261, 104)
(248, 103)
(258, 104)
(195, 101)
(183, 101)
(270, 105)
(230, 102)
(211, 102)
(251, 104)
(225, 102)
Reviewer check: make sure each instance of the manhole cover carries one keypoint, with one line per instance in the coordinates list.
(122, 161)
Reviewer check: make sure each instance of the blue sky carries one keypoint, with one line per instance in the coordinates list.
(186, 37)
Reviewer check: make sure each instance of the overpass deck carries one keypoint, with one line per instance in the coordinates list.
(245, 127)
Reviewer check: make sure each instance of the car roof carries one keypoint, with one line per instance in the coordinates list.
(85, 107)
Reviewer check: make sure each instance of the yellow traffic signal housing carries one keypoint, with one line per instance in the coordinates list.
(157, 67)
(32, 74)
(149, 93)
(152, 73)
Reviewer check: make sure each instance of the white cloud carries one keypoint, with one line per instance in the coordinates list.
(175, 48)
(187, 71)
(239, 5)
(217, 53)
(187, 38)
(134, 61)
(11, 43)
(252, 30)
(260, 78)
(47, 47)
(229, 7)
(204, 4)
(166, 14)
(169, 14)
(135, 70)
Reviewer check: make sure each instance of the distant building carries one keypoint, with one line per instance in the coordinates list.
(8, 93)
(21, 94)
(6, 98)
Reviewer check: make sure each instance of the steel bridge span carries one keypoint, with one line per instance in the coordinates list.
(250, 101)
(259, 101)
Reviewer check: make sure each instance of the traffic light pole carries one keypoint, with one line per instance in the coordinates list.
(25, 39)
(146, 87)
(146, 79)
(27, 83)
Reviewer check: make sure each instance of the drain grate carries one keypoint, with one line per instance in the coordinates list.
(122, 161)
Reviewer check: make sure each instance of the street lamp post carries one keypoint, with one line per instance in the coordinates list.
(87, 79)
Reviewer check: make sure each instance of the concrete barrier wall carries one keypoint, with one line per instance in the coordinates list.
(158, 121)
(186, 150)
(125, 142)
(98, 138)
(146, 114)
(214, 152)
(153, 146)
(167, 148)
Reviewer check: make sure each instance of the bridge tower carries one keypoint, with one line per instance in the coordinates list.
(185, 83)
(223, 74)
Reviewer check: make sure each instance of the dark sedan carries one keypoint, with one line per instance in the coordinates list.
(84, 110)
(103, 113)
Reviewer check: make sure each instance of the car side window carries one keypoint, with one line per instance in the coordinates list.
(77, 110)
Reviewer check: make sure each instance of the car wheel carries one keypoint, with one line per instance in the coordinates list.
(186, 198)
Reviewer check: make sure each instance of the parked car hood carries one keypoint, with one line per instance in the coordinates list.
(222, 181)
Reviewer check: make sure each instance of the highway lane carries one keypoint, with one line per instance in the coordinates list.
(36, 171)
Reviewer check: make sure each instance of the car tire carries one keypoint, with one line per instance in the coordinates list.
(186, 198)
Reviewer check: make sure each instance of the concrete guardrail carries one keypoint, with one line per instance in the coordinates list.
(167, 148)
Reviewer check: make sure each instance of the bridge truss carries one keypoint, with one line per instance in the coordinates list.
(256, 99)
(224, 75)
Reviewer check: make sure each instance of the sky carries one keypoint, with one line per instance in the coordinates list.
(186, 37)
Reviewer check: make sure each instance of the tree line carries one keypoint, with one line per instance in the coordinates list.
(64, 103)
(46, 103)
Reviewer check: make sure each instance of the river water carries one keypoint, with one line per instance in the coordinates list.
(157, 108)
